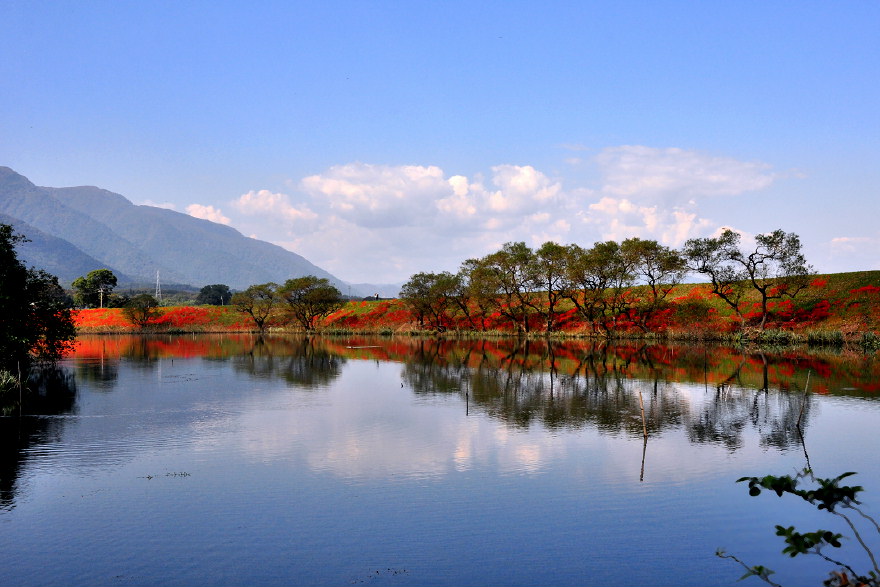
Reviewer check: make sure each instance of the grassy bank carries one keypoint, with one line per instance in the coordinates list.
(835, 309)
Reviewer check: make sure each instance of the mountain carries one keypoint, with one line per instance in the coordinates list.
(76, 229)
(57, 256)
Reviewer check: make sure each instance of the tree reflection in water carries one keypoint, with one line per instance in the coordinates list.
(714, 394)
(538, 381)
(303, 362)
(52, 392)
(569, 384)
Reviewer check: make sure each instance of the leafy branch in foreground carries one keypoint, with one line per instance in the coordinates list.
(825, 494)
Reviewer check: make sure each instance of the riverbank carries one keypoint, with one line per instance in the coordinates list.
(836, 309)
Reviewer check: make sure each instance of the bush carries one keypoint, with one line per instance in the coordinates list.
(141, 310)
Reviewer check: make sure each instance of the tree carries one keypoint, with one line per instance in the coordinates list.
(431, 295)
(92, 290)
(258, 302)
(599, 281)
(217, 294)
(510, 272)
(585, 288)
(710, 256)
(35, 317)
(462, 291)
(309, 298)
(775, 268)
(476, 284)
(661, 269)
(141, 310)
(549, 275)
(617, 268)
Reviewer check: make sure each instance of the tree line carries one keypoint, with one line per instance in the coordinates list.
(527, 287)
(301, 300)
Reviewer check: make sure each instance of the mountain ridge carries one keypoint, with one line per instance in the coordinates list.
(90, 224)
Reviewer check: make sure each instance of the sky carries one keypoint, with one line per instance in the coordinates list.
(380, 139)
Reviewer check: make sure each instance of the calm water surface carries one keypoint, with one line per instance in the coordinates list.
(338, 461)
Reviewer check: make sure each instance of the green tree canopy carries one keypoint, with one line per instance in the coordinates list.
(141, 310)
(510, 272)
(35, 317)
(258, 302)
(216, 294)
(430, 296)
(774, 267)
(308, 299)
(548, 275)
(93, 290)
(659, 267)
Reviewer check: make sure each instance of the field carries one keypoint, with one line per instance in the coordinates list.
(835, 308)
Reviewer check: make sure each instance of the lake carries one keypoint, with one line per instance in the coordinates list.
(235, 460)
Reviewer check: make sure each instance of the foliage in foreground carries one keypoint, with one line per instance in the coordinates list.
(826, 494)
(35, 316)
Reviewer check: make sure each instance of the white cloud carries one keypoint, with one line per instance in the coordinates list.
(207, 213)
(521, 187)
(851, 244)
(459, 204)
(379, 196)
(648, 172)
(264, 202)
(369, 222)
(850, 253)
(658, 193)
(620, 218)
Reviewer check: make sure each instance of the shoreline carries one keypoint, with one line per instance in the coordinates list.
(773, 338)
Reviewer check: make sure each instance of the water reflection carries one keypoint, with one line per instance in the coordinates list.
(300, 452)
(717, 396)
(630, 389)
(608, 387)
(837, 373)
(53, 392)
(558, 385)
(303, 362)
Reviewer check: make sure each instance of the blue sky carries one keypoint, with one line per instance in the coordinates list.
(379, 139)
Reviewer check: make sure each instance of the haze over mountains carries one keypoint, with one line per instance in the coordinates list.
(74, 230)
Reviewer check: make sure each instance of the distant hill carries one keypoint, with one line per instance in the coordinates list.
(76, 229)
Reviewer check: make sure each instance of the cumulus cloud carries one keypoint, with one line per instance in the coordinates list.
(207, 213)
(379, 196)
(264, 202)
(368, 222)
(851, 244)
(661, 193)
(521, 188)
(648, 172)
(620, 218)
(850, 253)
